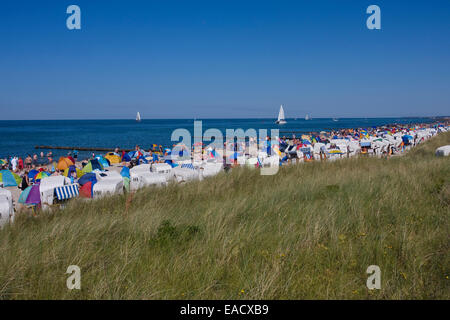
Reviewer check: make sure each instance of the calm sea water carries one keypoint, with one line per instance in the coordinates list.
(20, 137)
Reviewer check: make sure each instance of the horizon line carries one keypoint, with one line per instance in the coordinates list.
(245, 118)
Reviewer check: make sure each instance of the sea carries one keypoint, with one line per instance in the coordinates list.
(19, 138)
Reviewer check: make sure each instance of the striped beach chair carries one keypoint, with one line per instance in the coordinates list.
(67, 192)
(188, 166)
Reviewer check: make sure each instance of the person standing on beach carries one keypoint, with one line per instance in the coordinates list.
(150, 155)
(8, 160)
(75, 154)
(25, 181)
(35, 161)
(20, 164)
(14, 163)
(28, 162)
(42, 159)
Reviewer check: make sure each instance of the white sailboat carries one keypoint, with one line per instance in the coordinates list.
(138, 117)
(307, 117)
(281, 119)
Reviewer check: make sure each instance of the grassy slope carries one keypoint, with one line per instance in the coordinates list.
(308, 232)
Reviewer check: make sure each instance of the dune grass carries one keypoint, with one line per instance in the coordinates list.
(308, 232)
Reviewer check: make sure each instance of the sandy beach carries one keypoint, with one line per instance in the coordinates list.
(385, 141)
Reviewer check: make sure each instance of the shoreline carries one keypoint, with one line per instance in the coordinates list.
(284, 131)
(386, 140)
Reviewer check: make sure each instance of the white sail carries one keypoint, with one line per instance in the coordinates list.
(281, 119)
(138, 116)
(281, 113)
(307, 117)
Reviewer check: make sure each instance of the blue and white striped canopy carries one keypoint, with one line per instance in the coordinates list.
(188, 165)
(67, 192)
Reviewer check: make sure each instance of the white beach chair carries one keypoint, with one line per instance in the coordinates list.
(211, 169)
(145, 167)
(443, 151)
(164, 169)
(185, 174)
(271, 161)
(111, 176)
(5, 210)
(252, 162)
(241, 160)
(47, 189)
(107, 187)
(153, 179)
(144, 179)
(6, 207)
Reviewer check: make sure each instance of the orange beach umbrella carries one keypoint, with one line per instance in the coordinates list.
(64, 163)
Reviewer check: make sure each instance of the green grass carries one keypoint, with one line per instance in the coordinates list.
(308, 232)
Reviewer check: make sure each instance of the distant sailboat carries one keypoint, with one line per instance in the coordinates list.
(281, 119)
(307, 117)
(335, 119)
(138, 117)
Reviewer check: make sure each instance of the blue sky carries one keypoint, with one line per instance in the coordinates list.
(223, 59)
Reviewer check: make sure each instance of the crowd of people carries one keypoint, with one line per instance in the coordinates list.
(384, 141)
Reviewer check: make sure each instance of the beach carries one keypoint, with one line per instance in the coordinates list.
(308, 232)
(131, 170)
(26, 135)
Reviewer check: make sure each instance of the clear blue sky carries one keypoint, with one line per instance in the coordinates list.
(217, 58)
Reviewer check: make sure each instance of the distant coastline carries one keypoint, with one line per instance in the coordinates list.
(299, 117)
(24, 135)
